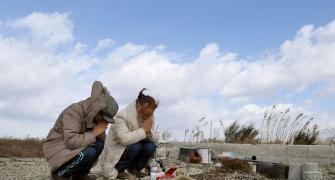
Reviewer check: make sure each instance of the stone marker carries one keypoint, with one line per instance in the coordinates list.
(312, 176)
(309, 167)
(310, 172)
(295, 171)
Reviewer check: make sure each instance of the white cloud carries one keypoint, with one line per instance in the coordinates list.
(37, 84)
(104, 43)
(49, 28)
(301, 62)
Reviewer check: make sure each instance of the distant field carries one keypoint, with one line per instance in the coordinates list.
(28, 147)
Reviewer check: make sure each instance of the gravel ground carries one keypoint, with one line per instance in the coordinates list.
(23, 168)
(328, 172)
(227, 175)
(28, 168)
(37, 168)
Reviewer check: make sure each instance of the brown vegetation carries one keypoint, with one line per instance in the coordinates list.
(28, 147)
(279, 128)
(236, 165)
(241, 134)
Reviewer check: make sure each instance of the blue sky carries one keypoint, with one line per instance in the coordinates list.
(246, 27)
(228, 60)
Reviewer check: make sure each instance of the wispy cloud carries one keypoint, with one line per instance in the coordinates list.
(104, 44)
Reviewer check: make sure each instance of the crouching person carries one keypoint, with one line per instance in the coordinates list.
(77, 138)
(131, 140)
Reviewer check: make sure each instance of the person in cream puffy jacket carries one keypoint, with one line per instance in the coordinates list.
(130, 142)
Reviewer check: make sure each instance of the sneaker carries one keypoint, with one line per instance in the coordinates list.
(84, 177)
(122, 175)
(138, 174)
(54, 176)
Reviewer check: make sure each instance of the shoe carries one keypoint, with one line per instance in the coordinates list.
(84, 177)
(54, 176)
(122, 175)
(138, 174)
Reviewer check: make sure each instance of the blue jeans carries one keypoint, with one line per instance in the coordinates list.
(136, 155)
(82, 162)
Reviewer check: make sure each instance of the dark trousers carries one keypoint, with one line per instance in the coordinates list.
(82, 162)
(136, 155)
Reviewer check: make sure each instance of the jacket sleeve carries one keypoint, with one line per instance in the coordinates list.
(126, 136)
(71, 127)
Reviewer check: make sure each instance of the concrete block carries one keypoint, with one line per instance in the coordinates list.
(244, 149)
(320, 151)
(261, 150)
(277, 159)
(310, 167)
(333, 154)
(294, 151)
(277, 149)
(312, 176)
(295, 172)
(262, 158)
(252, 166)
(298, 160)
(320, 161)
(217, 148)
(321, 154)
(229, 147)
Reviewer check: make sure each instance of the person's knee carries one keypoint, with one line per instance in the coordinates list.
(150, 147)
(99, 146)
(135, 148)
(90, 154)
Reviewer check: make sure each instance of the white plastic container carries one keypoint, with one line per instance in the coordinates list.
(155, 175)
(205, 155)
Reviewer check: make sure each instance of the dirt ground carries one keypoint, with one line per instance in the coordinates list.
(37, 168)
